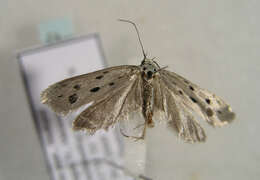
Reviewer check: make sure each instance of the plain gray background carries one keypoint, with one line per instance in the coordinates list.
(213, 43)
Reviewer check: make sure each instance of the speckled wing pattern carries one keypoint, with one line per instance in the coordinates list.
(116, 107)
(70, 94)
(116, 93)
(112, 92)
(180, 99)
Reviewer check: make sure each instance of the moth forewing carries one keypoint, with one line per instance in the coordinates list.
(104, 113)
(131, 121)
(210, 107)
(70, 94)
(180, 118)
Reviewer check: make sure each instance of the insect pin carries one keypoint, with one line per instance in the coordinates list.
(148, 90)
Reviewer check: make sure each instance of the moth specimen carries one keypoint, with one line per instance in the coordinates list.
(148, 90)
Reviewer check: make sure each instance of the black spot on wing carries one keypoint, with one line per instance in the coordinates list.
(73, 98)
(191, 88)
(193, 100)
(59, 96)
(99, 77)
(111, 84)
(77, 87)
(95, 89)
(180, 92)
(105, 72)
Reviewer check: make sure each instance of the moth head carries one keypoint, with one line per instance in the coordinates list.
(149, 68)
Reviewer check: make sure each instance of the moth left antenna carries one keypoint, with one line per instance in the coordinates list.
(128, 21)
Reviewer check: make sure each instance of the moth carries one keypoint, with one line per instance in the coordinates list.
(148, 90)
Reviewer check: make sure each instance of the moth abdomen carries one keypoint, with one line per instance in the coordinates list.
(148, 99)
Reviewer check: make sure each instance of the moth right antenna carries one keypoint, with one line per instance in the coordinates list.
(128, 21)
